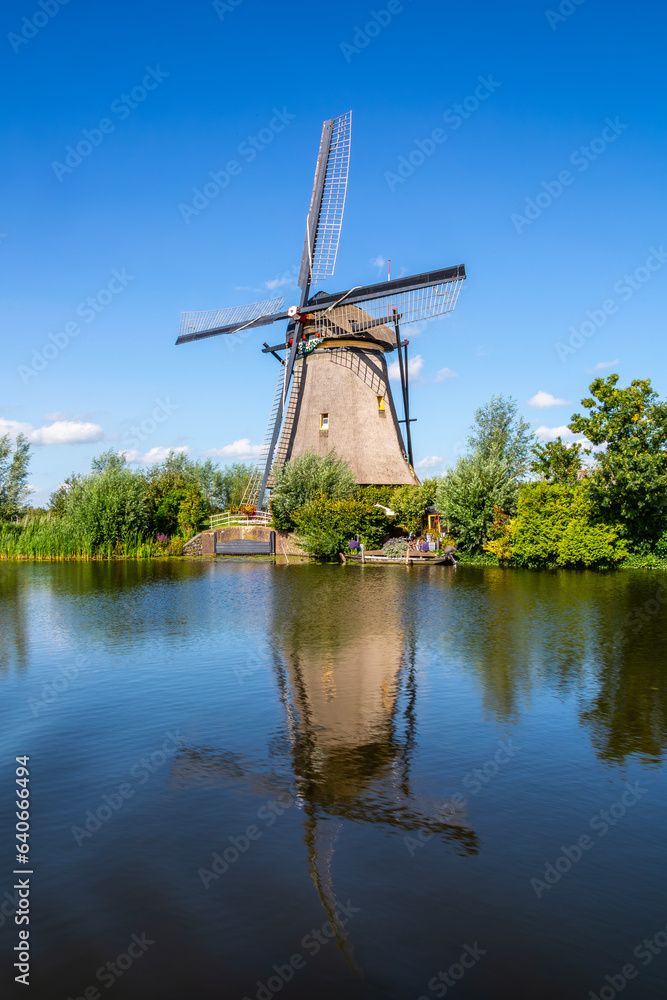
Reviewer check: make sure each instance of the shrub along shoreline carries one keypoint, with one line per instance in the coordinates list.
(597, 503)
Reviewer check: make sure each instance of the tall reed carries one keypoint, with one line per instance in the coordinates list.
(50, 537)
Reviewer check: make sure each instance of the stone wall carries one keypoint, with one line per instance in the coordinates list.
(286, 545)
(193, 547)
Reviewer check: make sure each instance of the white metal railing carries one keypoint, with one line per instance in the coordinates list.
(261, 519)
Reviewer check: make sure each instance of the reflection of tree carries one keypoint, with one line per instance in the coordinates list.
(106, 604)
(628, 715)
(514, 629)
(14, 602)
(520, 630)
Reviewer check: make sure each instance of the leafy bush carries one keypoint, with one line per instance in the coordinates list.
(301, 480)
(661, 546)
(374, 494)
(176, 546)
(468, 494)
(555, 525)
(327, 525)
(321, 542)
(500, 544)
(544, 511)
(587, 544)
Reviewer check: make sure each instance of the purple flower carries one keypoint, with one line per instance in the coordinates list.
(424, 546)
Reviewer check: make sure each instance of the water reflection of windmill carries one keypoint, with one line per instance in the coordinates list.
(333, 390)
(349, 698)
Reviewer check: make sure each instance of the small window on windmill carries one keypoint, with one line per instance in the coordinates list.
(381, 404)
(324, 421)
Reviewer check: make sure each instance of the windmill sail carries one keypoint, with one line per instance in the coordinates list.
(415, 298)
(327, 202)
(213, 322)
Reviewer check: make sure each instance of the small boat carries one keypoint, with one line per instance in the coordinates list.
(446, 558)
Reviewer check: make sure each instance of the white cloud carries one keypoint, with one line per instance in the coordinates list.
(377, 262)
(59, 432)
(287, 279)
(58, 415)
(240, 450)
(543, 399)
(67, 432)
(551, 433)
(415, 366)
(430, 462)
(157, 454)
(601, 365)
(14, 427)
(445, 373)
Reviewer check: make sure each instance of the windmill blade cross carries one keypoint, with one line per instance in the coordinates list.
(213, 322)
(327, 202)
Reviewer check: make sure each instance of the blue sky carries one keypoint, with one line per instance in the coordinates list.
(551, 190)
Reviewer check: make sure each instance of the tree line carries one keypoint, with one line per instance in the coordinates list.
(114, 509)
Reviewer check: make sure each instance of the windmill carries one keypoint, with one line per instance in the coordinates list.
(333, 390)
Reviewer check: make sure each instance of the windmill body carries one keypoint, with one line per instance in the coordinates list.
(343, 401)
(333, 389)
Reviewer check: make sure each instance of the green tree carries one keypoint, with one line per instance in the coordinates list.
(557, 462)
(500, 434)
(629, 484)
(14, 489)
(192, 511)
(231, 484)
(109, 507)
(468, 494)
(58, 499)
(168, 484)
(306, 477)
(108, 460)
(165, 510)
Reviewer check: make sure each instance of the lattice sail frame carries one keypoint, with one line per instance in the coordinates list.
(213, 319)
(329, 221)
(412, 306)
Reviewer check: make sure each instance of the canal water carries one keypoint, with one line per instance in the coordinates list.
(250, 780)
